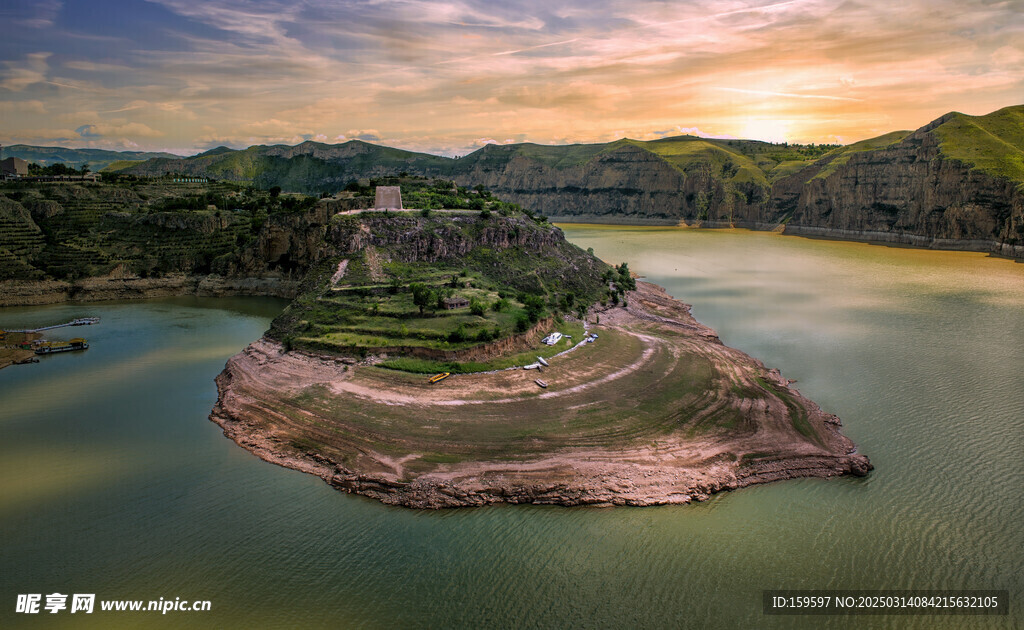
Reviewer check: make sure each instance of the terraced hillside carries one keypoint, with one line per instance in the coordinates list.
(142, 229)
(452, 290)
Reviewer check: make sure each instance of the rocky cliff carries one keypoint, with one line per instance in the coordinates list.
(912, 191)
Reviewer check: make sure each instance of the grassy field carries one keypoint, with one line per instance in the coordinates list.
(573, 330)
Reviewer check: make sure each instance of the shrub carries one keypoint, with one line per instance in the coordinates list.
(477, 307)
(458, 335)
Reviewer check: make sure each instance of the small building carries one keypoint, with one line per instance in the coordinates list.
(388, 198)
(455, 302)
(14, 167)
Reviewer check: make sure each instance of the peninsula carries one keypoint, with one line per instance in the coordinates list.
(655, 410)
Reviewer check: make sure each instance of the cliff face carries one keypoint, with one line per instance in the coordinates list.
(626, 183)
(412, 239)
(910, 192)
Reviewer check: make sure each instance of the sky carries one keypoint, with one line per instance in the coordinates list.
(446, 77)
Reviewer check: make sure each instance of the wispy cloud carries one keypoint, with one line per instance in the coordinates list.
(443, 74)
(20, 74)
(787, 94)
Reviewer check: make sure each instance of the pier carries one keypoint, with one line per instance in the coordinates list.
(80, 321)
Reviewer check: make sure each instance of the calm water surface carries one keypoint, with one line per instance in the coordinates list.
(115, 482)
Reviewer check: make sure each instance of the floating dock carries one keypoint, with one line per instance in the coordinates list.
(81, 321)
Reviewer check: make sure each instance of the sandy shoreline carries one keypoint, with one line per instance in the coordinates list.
(658, 411)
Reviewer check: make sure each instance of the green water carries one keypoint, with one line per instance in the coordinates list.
(115, 483)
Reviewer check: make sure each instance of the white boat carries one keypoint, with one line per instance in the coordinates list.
(541, 383)
(542, 361)
(532, 366)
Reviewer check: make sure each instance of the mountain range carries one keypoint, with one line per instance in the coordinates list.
(955, 183)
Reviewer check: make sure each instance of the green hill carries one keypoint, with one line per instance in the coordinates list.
(993, 143)
(315, 167)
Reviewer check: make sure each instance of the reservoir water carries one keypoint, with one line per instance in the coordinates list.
(115, 483)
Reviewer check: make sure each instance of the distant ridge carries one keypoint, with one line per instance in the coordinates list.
(97, 159)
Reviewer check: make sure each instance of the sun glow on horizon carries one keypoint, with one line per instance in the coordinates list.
(767, 130)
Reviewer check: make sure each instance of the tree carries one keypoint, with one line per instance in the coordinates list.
(534, 307)
(441, 296)
(422, 295)
(275, 191)
(625, 279)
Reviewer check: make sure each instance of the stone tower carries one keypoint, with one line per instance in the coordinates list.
(388, 198)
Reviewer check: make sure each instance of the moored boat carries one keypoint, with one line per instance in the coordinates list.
(437, 378)
(52, 347)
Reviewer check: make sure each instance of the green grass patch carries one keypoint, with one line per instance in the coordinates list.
(427, 366)
(797, 412)
(993, 143)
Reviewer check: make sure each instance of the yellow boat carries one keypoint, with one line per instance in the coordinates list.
(437, 378)
(50, 347)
